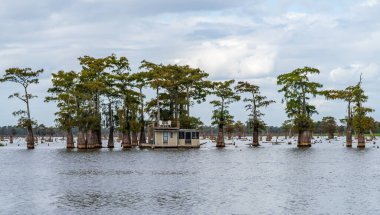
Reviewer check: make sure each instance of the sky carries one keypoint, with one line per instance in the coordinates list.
(246, 40)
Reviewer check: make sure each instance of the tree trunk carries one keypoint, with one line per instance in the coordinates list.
(99, 143)
(11, 139)
(158, 106)
(134, 138)
(142, 135)
(69, 139)
(92, 139)
(110, 143)
(268, 137)
(81, 141)
(255, 136)
(126, 142)
(348, 137)
(361, 140)
(304, 139)
(30, 138)
(331, 135)
(110, 138)
(220, 139)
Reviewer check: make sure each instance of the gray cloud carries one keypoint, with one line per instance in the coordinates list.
(245, 40)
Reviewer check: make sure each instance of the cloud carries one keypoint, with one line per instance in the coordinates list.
(352, 72)
(370, 3)
(245, 40)
(231, 58)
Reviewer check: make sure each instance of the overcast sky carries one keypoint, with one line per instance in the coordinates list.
(252, 40)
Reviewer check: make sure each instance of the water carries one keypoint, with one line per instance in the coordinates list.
(273, 179)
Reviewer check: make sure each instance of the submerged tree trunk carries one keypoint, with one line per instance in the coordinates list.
(30, 138)
(255, 136)
(361, 140)
(304, 138)
(220, 138)
(126, 142)
(69, 139)
(81, 141)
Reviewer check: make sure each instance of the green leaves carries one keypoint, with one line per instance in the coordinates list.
(255, 102)
(24, 77)
(328, 124)
(298, 89)
(226, 95)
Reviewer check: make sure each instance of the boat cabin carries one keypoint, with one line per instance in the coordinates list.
(167, 136)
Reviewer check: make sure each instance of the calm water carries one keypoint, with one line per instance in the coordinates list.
(273, 179)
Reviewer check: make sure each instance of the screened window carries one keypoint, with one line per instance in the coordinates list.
(195, 135)
(165, 136)
(181, 135)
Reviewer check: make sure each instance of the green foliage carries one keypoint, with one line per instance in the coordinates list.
(360, 121)
(63, 93)
(256, 101)
(190, 122)
(177, 89)
(328, 124)
(217, 117)
(226, 95)
(298, 90)
(24, 77)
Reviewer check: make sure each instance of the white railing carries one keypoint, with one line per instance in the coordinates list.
(165, 124)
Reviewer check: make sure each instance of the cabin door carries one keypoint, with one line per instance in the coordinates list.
(188, 138)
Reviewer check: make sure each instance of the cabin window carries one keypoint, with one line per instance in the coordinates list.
(181, 135)
(165, 137)
(195, 135)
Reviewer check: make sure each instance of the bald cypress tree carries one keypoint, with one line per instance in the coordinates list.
(63, 94)
(361, 122)
(225, 96)
(24, 77)
(298, 89)
(255, 101)
(347, 96)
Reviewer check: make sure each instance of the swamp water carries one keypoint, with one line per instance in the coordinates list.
(327, 178)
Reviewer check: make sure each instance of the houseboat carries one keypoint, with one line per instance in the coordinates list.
(166, 134)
